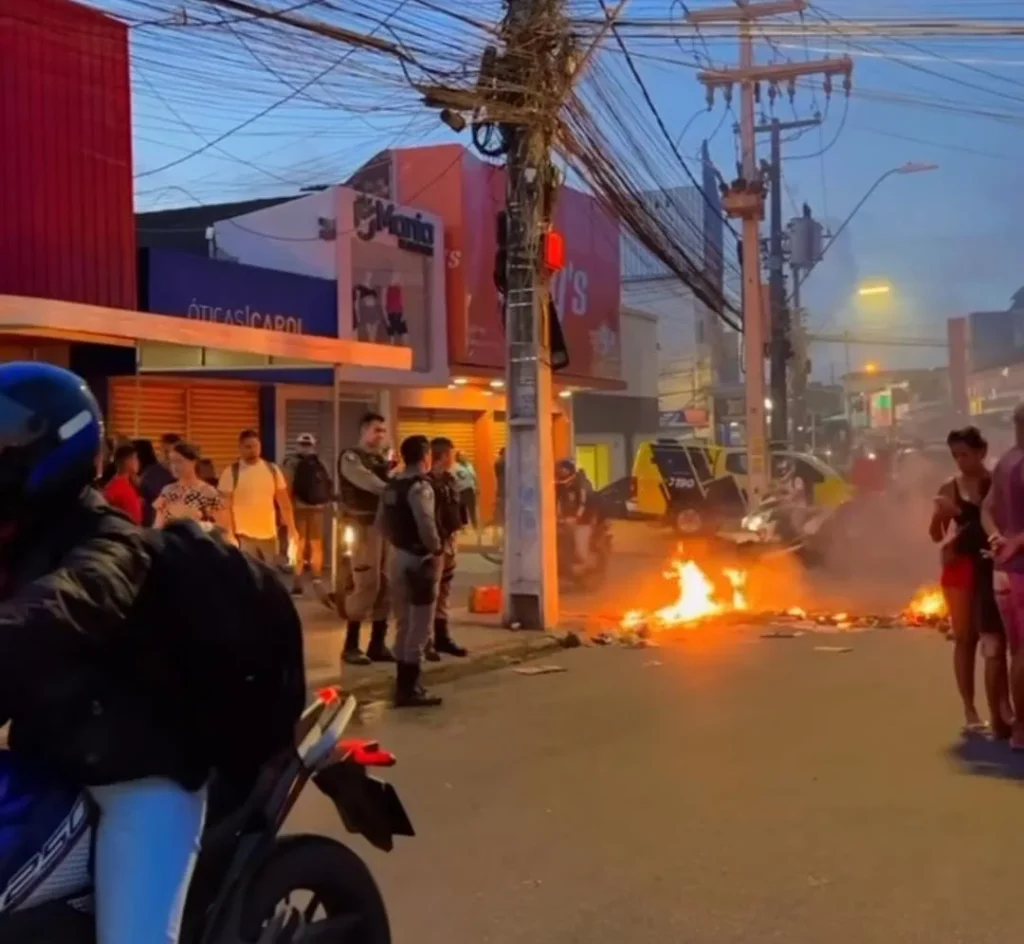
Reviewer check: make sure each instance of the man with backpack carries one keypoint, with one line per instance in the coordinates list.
(255, 492)
(311, 491)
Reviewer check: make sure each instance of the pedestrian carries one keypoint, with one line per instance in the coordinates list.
(255, 493)
(121, 491)
(1002, 514)
(362, 591)
(465, 481)
(966, 581)
(499, 478)
(448, 509)
(311, 491)
(157, 476)
(407, 518)
(188, 496)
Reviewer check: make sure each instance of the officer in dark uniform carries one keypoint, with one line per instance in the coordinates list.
(450, 520)
(362, 591)
(408, 520)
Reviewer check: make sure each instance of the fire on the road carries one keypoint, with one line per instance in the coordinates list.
(696, 599)
(928, 603)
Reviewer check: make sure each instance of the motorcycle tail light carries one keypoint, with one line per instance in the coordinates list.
(366, 753)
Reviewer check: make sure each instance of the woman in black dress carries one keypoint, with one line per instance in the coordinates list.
(967, 578)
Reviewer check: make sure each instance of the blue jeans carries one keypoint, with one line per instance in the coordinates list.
(147, 842)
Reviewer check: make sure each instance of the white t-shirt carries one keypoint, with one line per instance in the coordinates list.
(252, 503)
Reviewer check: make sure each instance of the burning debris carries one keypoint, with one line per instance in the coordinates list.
(700, 601)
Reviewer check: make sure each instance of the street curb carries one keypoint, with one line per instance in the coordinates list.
(522, 646)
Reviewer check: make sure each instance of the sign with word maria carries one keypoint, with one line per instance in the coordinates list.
(372, 215)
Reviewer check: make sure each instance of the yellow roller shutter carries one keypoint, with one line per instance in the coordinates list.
(456, 425)
(217, 413)
(146, 409)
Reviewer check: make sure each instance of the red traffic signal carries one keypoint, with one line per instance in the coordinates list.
(553, 250)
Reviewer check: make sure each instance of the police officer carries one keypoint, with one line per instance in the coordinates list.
(408, 520)
(363, 589)
(450, 519)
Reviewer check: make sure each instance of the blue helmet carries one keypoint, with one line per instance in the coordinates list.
(51, 432)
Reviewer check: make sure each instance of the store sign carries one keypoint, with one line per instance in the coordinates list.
(467, 194)
(184, 285)
(372, 215)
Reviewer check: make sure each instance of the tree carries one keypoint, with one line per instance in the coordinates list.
(1017, 300)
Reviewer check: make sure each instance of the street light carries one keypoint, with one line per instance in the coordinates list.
(866, 291)
(910, 167)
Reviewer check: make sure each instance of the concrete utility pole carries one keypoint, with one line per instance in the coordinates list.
(538, 51)
(781, 347)
(745, 198)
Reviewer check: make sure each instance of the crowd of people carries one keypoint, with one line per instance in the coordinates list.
(279, 515)
(978, 523)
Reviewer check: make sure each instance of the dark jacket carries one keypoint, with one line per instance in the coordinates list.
(93, 691)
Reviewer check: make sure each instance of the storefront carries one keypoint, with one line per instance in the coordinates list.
(213, 394)
(208, 410)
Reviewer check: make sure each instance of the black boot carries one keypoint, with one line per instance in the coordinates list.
(408, 691)
(378, 650)
(352, 654)
(443, 642)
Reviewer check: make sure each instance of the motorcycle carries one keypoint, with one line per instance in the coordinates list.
(777, 526)
(247, 871)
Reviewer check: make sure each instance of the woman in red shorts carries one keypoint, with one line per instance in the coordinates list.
(967, 582)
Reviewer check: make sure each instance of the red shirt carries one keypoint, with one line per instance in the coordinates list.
(122, 495)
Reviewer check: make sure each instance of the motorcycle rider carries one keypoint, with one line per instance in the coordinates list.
(93, 695)
(363, 473)
(576, 508)
(449, 509)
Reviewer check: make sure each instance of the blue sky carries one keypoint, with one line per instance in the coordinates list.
(949, 241)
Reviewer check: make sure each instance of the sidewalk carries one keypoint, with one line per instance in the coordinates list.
(490, 647)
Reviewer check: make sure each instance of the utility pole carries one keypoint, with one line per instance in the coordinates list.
(744, 200)
(781, 348)
(538, 53)
(798, 332)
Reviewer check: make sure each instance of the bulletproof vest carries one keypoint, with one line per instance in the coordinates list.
(357, 502)
(399, 522)
(447, 508)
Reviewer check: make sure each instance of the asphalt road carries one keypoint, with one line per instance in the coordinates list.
(742, 790)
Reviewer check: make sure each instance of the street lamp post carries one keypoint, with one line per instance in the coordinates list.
(911, 167)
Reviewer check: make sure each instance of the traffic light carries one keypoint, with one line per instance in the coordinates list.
(556, 339)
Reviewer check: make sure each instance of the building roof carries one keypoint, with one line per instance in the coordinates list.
(185, 228)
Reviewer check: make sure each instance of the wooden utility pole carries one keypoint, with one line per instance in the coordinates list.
(744, 200)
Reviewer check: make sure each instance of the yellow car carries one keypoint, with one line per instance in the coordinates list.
(698, 488)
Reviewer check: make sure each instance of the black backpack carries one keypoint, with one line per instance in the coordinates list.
(312, 482)
(233, 626)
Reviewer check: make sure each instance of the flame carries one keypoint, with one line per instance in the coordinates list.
(696, 598)
(928, 602)
(797, 611)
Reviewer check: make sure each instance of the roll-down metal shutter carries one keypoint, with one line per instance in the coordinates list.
(217, 413)
(456, 425)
